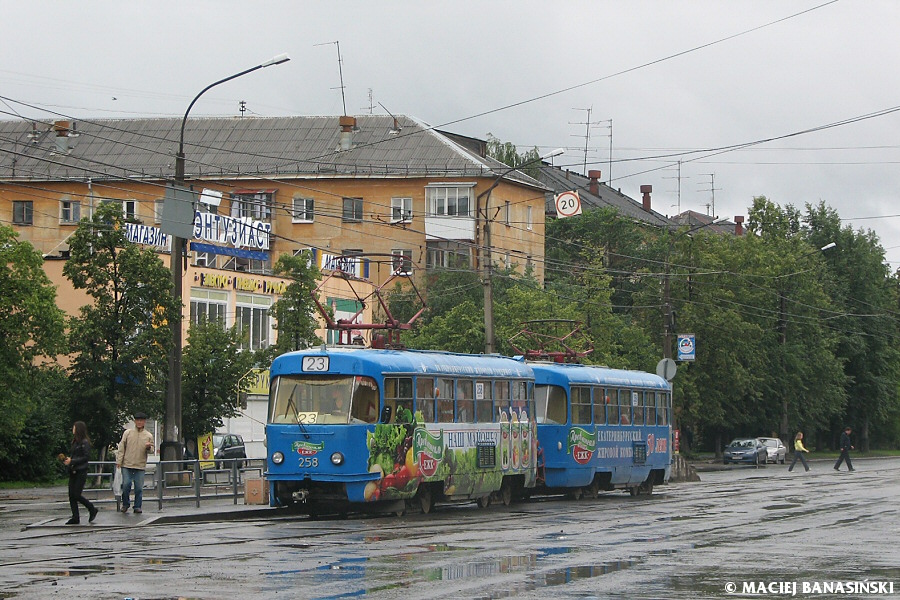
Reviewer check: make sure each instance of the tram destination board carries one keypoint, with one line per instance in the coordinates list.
(487, 455)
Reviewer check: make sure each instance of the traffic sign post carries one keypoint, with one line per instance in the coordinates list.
(568, 204)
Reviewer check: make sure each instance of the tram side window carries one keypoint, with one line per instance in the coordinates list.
(550, 404)
(638, 397)
(397, 394)
(484, 408)
(364, 404)
(519, 397)
(465, 401)
(599, 406)
(612, 407)
(663, 408)
(581, 405)
(501, 399)
(445, 399)
(651, 408)
(625, 407)
(425, 397)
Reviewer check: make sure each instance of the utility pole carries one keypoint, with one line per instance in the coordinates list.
(486, 262)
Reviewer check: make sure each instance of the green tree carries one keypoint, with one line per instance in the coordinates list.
(32, 327)
(507, 153)
(295, 312)
(865, 297)
(214, 370)
(119, 342)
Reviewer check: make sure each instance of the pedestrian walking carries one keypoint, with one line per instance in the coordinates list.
(846, 447)
(77, 462)
(131, 457)
(799, 449)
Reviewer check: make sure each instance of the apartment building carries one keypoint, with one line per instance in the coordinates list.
(375, 197)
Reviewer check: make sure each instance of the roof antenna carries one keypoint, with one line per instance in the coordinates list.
(396, 128)
(340, 71)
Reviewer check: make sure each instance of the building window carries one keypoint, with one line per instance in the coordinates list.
(529, 224)
(257, 206)
(446, 201)
(448, 255)
(205, 259)
(129, 208)
(401, 210)
(158, 211)
(302, 210)
(209, 305)
(401, 262)
(69, 211)
(23, 212)
(246, 265)
(353, 210)
(252, 319)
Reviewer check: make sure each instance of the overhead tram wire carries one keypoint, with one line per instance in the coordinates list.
(577, 86)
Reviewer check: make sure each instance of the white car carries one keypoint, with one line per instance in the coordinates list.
(777, 451)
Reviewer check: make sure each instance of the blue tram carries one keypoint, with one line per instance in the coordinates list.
(350, 427)
(601, 429)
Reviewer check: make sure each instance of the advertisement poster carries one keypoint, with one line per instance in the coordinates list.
(205, 451)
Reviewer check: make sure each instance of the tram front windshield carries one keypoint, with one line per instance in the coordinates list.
(323, 400)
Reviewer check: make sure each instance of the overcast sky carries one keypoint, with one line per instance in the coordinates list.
(674, 77)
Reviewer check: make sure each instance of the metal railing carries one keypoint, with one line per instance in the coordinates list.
(179, 480)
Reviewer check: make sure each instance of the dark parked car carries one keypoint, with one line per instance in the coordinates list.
(777, 452)
(228, 446)
(746, 450)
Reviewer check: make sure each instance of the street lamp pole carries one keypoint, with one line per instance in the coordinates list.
(782, 338)
(486, 266)
(171, 447)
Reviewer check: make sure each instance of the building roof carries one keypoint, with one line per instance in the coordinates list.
(694, 220)
(226, 147)
(560, 180)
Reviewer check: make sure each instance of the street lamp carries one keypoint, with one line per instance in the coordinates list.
(171, 448)
(486, 249)
(782, 337)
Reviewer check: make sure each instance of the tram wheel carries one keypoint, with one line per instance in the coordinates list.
(575, 493)
(484, 501)
(426, 500)
(593, 490)
(634, 491)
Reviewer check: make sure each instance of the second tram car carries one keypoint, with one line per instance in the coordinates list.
(601, 429)
(354, 426)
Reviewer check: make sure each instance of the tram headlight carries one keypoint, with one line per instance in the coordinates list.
(337, 459)
(278, 458)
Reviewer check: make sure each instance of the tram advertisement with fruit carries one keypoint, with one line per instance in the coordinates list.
(403, 456)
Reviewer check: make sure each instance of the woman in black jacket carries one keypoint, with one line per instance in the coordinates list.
(78, 468)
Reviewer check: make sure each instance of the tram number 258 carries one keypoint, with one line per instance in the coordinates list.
(309, 461)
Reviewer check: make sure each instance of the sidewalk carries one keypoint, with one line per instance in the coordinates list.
(41, 507)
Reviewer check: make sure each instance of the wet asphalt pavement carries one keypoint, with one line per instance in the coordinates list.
(737, 526)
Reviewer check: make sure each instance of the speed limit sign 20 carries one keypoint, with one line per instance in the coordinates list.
(568, 204)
